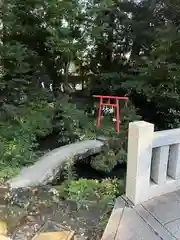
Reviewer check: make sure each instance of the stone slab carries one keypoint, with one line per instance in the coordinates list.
(159, 164)
(174, 161)
(165, 208)
(48, 166)
(174, 228)
(166, 137)
(133, 227)
(126, 224)
(154, 224)
(156, 219)
(114, 220)
(55, 236)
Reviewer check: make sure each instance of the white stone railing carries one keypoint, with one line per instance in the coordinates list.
(153, 163)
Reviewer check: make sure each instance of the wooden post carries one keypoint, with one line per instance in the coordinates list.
(99, 112)
(117, 116)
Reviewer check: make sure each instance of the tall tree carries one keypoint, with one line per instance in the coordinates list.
(39, 36)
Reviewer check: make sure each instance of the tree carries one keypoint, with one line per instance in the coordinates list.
(157, 78)
(40, 36)
(148, 32)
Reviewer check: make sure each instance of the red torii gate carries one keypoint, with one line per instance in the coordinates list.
(113, 105)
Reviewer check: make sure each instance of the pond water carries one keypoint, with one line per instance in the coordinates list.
(84, 170)
(49, 142)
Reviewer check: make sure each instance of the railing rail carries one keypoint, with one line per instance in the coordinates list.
(167, 137)
(153, 163)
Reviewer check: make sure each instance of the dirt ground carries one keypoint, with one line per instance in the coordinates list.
(62, 216)
(32, 212)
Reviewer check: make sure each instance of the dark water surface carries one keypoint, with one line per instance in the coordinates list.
(84, 170)
(49, 142)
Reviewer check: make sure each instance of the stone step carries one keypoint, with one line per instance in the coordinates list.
(66, 235)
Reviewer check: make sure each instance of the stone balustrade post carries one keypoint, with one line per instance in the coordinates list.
(140, 137)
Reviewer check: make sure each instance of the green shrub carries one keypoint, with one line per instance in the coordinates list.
(71, 122)
(17, 143)
(75, 125)
(19, 127)
(86, 191)
(69, 172)
(8, 172)
(116, 149)
(38, 117)
(104, 162)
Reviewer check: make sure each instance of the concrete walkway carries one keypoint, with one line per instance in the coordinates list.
(155, 219)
